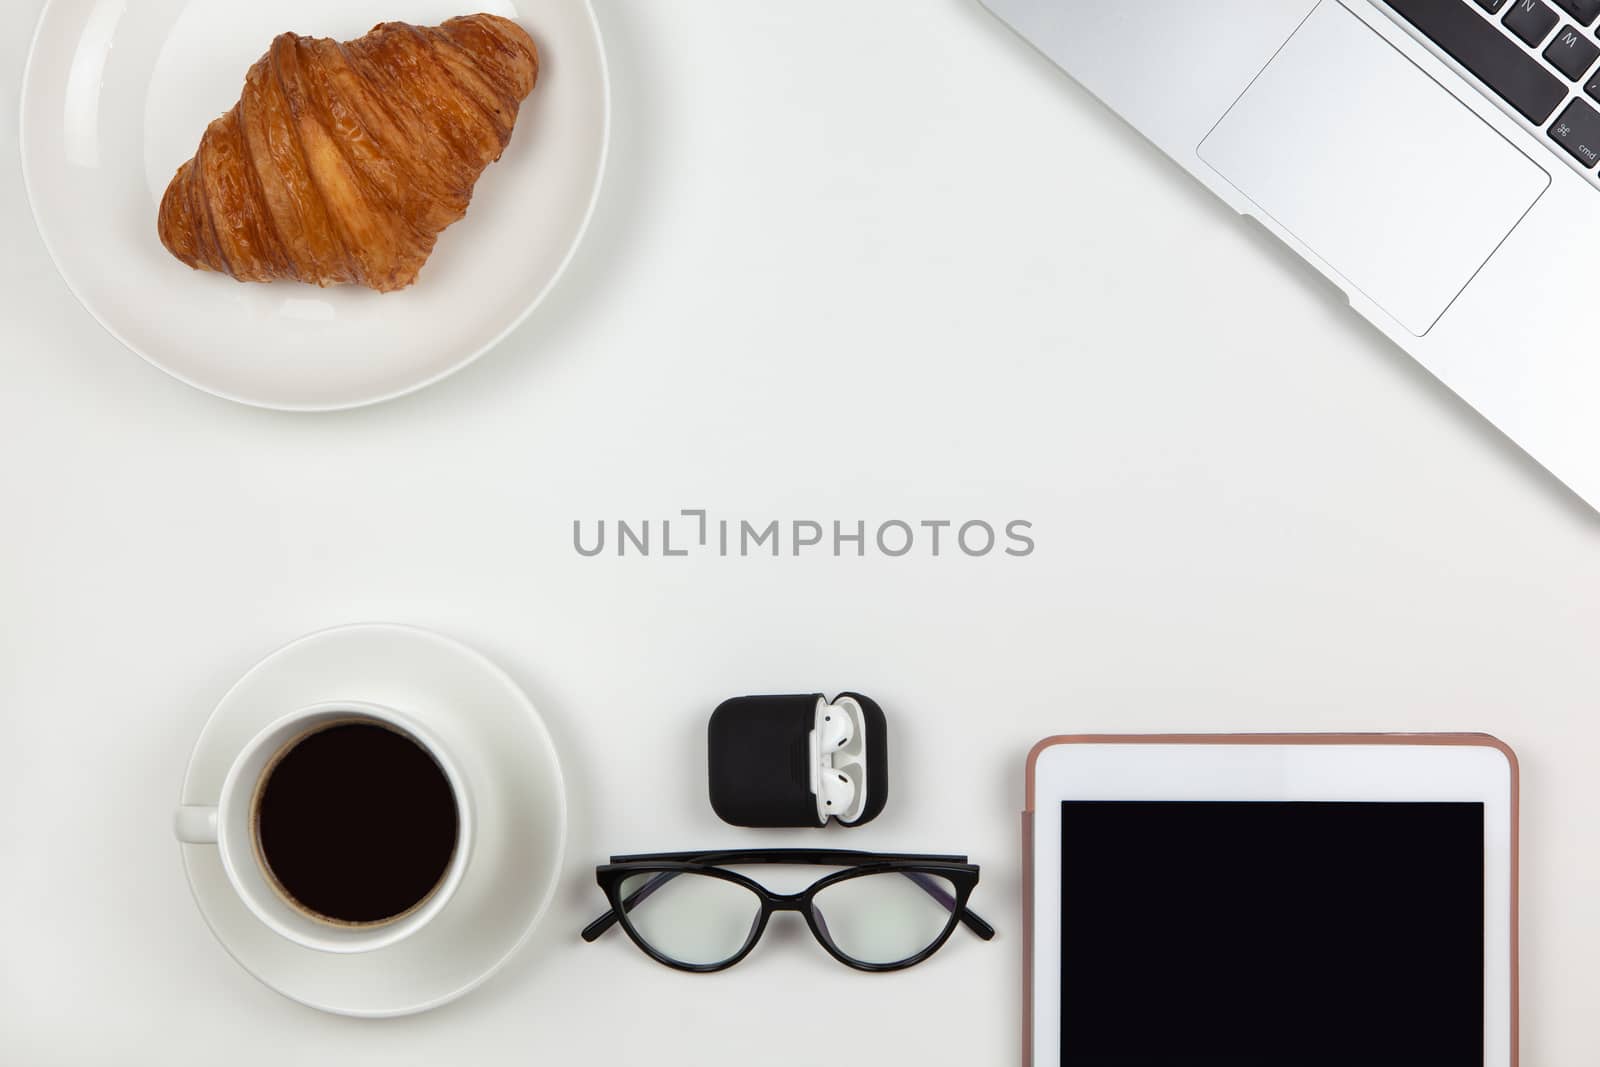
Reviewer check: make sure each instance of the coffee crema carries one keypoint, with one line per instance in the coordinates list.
(356, 823)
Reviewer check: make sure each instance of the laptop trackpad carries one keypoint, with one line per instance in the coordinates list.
(1374, 166)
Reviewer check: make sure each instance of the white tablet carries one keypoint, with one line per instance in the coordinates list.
(1253, 900)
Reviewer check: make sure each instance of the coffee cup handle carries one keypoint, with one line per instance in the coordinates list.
(195, 825)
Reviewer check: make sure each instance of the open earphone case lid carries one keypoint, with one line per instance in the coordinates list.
(801, 760)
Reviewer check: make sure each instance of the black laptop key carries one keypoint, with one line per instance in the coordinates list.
(1492, 6)
(1489, 55)
(1592, 87)
(1584, 11)
(1531, 21)
(1578, 131)
(1571, 52)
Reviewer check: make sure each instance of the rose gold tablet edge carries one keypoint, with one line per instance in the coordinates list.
(1478, 740)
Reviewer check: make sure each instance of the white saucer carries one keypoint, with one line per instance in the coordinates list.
(503, 750)
(116, 95)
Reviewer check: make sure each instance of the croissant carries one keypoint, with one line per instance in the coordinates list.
(342, 163)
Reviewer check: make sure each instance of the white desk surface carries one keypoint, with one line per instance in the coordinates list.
(853, 261)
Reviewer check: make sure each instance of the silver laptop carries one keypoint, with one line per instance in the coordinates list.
(1439, 160)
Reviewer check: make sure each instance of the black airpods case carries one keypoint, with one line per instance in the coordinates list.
(798, 760)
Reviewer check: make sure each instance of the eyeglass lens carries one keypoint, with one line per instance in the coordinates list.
(697, 919)
(885, 918)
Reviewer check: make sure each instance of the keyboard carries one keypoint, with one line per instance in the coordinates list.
(1537, 56)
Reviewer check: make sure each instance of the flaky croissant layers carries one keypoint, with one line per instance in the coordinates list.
(342, 162)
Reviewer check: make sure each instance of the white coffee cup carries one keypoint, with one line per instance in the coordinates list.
(230, 826)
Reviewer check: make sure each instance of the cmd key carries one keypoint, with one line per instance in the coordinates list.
(1578, 131)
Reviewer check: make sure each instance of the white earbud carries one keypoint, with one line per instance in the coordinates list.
(837, 793)
(838, 770)
(834, 729)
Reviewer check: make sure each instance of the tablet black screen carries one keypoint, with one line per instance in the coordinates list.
(1220, 934)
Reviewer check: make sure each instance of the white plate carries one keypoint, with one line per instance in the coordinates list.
(116, 96)
(502, 748)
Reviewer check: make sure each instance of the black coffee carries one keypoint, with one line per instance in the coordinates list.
(357, 823)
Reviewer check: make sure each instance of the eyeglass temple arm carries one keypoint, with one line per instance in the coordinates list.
(969, 918)
(594, 930)
(633, 900)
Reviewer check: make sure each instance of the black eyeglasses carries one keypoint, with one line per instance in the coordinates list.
(879, 913)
